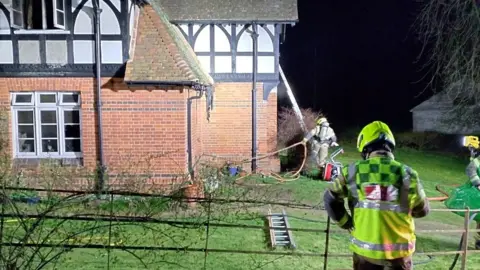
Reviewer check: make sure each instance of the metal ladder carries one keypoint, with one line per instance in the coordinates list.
(279, 233)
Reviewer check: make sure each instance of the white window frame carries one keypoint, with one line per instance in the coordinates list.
(62, 94)
(56, 10)
(14, 99)
(14, 11)
(40, 138)
(16, 139)
(62, 131)
(46, 105)
(59, 107)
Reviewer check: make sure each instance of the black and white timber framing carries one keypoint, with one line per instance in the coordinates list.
(226, 50)
(69, 51)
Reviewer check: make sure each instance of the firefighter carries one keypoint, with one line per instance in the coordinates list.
(473, 173)
(323, 137)
(384, 196)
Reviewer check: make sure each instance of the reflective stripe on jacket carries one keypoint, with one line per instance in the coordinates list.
(383, 192)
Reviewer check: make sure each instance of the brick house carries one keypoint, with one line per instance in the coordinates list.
(175, 79)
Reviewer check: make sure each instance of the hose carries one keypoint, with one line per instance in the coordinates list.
(289, 177)
(442, 198)
(461, 243)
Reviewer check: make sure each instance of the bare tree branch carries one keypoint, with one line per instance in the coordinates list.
(449, 31)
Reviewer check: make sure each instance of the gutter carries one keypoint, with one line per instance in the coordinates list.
(189, 133)
(98, 64)
(291, 22)
(162, 83)
(254, 35)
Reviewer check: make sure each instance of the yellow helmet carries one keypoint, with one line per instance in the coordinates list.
(321, 120)
(373, 132)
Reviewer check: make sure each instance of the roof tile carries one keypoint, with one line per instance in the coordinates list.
(160, 53)
(229, 10)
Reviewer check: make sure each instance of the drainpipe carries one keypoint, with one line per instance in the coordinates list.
(254, 34)
(189, 133)
(98, 63)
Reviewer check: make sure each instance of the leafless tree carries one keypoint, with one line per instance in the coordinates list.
(450, 33)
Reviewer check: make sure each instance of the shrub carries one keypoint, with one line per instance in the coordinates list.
(429, 141)
(290, 132)
(421, 141)
(289, 128)
(417, 141)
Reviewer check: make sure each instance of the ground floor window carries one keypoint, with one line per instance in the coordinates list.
(46, 124)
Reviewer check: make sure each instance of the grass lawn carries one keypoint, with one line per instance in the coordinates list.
(433, 169)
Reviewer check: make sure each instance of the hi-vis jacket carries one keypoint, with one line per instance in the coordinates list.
(384, 196)
(473, 171)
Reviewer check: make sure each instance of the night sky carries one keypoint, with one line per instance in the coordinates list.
(365, 66)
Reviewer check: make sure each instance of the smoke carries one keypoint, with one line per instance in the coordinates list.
(282, 92)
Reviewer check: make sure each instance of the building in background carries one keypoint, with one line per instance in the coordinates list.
(176, 81)
(438, 114)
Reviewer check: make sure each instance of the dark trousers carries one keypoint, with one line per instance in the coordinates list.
(477, 237)
(362, 263)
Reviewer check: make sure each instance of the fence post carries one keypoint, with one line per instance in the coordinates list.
(327, 236)
(465, 239)
(110, 231)
(3, 201)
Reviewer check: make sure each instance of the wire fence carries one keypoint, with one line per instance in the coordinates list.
(119, 230)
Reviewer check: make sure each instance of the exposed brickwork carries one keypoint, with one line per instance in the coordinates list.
(145, 131)
(229, 132)
(272, 130)
(199, 121)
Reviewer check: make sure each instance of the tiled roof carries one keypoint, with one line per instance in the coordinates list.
(230, 10)
(161, 54)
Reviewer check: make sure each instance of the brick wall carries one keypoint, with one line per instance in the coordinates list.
(199, 120)
(144, 131)
(274, 163)
(229, 132)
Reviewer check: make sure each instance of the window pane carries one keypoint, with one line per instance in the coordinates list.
(72, 145)
(72, 131)
(70, 98)
(48, 98)
(19, 98)
(17, 18)
(60, 18)
(17, 4)
(48, 117)
(25, 117)
(49, 146)
(60, 4)
(25, 132)
(49, 131)
(26, 146)
(71, 117)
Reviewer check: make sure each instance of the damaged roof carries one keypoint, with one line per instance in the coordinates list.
(229, 10)
(161, 55)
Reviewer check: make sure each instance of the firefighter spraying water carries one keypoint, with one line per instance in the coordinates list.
(321, 138)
